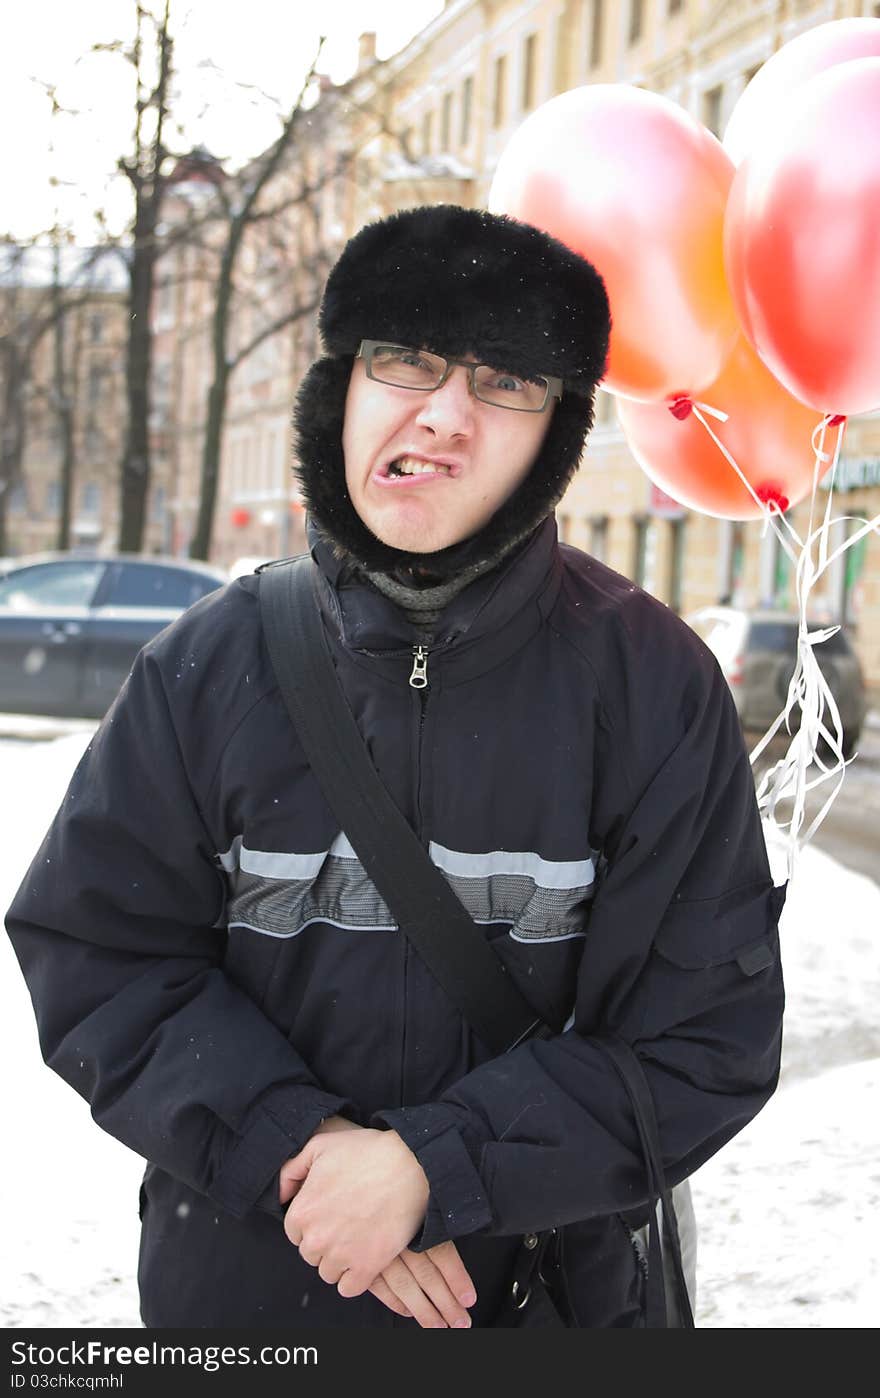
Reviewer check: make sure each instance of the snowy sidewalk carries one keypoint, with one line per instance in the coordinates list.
(788, 1211)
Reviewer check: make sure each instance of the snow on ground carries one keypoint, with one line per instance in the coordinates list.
(788, 1211)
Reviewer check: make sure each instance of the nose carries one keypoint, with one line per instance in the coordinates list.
(449, 411)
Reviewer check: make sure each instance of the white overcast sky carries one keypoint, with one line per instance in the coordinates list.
(264, 43)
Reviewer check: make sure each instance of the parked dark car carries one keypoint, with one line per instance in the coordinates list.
(757, 651)
(71, 625)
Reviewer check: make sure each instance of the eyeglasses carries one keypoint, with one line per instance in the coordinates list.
(414, 368)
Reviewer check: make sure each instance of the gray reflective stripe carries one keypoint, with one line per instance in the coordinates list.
(279, 893)
(271, 865)
(546, 873)
(543, 937)
(294, 932)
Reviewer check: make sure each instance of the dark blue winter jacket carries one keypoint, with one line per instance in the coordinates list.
(213, 970)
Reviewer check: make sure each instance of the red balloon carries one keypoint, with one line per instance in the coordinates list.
(767, 432)
(765, 100)
(802, 242)
(629, 180)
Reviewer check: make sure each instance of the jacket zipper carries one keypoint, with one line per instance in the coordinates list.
(419, 677)
(418, 681)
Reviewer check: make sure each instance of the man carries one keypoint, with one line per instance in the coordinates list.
(329, 1142)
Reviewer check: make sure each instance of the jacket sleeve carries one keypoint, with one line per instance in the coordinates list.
(681, 959)
(116, 929)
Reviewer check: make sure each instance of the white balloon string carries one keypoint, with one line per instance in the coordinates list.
(817, 723)
(771, 511)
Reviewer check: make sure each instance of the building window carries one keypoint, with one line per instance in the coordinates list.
(499, 91)
(674, 6)
(427, 132)
(95, 384)
(676, 563)
(529, 71)
(596, 34)
(446, 123)
(712, 109)
(636, 20)
(18, 501)
(564, 529)
(467, 102)
(732, 558)
(599, 537)
(776, 578)
(96, 329)
(91, 498)
(53, 498)
(158, 504)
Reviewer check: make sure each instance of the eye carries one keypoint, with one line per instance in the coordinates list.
(411, 358)
(506, 383)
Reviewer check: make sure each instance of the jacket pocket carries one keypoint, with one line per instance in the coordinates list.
(708, 959)
(739, 928)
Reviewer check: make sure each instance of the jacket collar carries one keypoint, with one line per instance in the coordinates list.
(364, 620)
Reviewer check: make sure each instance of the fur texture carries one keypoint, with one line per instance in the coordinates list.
(458, 282)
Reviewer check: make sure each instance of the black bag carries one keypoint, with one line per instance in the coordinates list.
(459, 957)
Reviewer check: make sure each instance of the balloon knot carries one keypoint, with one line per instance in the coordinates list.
(837, 419)
(681, 408)
(772, 495)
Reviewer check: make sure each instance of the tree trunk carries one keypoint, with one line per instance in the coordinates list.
(64, 413)
(200, 544)
(12, 436)
(135, 470)
(147, 182)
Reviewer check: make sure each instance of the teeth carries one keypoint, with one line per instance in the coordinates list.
(410, 466)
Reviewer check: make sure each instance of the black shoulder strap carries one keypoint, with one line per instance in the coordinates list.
(426, 908)
(632, 1073)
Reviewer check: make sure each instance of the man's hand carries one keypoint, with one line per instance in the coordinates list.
(290, 1180)
(432, 1287)
(360, 1196)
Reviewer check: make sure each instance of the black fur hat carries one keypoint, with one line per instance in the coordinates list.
(459, 282)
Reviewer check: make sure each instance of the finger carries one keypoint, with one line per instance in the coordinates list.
(447, 1260)
(382, 1292)
(293, 1230)
(436, 1288)
(288, 1189)
(330, 1271)
(309, 1254)
(404, 1285)
(354, 1283)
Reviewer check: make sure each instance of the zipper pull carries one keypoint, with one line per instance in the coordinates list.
(419, 677)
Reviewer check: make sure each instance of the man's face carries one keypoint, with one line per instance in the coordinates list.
(426, 470)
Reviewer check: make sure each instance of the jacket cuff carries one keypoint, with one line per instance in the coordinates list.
(275, 1129)
(457, 1204)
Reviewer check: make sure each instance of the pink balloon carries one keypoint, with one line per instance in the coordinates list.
(632, 182)
(767, 432)
(765, 100)
(802, 242)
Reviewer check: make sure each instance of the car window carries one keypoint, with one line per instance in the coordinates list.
(781, 637)
(59, 584)
(156, 585)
